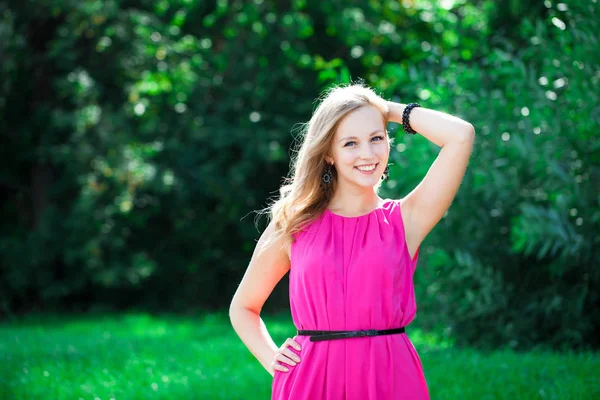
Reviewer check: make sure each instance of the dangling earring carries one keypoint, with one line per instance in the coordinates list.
(386, 173)
(327, 177)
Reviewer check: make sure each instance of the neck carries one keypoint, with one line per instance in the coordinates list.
(354, 203)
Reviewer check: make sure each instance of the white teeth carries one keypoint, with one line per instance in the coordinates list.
(366, 169)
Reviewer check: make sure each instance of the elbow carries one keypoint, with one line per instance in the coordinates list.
(236, 308)
(468, 133)
(234, 314)
(472, 129)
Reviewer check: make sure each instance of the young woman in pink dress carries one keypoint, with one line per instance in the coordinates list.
(351, 255)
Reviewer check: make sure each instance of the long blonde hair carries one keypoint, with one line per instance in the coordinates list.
(302, 199)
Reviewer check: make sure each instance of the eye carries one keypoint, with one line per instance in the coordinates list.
(375, 137)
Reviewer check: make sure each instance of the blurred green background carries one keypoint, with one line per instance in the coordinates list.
(138, 138)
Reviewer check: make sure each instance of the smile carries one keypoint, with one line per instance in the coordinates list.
(368, 169)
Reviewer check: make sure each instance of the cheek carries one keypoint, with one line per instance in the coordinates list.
(347, 157)
(382, 151)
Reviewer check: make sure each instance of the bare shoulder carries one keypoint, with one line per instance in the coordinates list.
(268, 264)
(288, 251)
(404, 205)
(413, 241)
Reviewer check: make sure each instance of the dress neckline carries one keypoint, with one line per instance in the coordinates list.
(327, 210)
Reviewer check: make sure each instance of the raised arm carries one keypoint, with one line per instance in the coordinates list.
(427, 203)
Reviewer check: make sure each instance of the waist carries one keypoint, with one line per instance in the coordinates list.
(316, 336)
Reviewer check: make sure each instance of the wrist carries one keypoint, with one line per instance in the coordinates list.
(395, 111)
(406, 125)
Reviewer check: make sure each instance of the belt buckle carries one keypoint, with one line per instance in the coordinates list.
(371, 332)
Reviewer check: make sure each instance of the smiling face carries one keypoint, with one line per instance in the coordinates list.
(360, 141)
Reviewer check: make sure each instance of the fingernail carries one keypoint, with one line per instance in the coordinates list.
(285, 369)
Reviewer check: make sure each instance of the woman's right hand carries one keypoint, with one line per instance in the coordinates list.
(285, 355)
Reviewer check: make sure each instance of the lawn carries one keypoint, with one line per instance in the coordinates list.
(141, 356)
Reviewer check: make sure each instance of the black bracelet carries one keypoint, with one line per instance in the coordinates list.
(405, 113)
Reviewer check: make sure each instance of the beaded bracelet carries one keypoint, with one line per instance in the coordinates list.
(405, 113)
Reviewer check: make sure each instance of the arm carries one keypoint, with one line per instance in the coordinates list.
(427, 203)
(261, 277)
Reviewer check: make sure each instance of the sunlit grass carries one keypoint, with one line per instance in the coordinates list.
(140, 356)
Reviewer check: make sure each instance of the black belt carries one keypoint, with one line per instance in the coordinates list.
(317, 336)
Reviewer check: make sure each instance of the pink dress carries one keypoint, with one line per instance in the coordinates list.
(353, 273)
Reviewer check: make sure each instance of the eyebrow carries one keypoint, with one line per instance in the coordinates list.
(354, 137)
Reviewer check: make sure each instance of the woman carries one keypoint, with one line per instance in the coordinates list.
(351, 255)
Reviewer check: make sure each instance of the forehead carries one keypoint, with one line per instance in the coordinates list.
(360, 122)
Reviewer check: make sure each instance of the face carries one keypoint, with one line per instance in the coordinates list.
(360, 141)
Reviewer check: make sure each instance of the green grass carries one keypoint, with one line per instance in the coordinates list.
(140, 356)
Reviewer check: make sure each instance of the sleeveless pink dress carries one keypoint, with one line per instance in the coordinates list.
(353, 273)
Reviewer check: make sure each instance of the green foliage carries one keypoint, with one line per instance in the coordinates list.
(513, 262)
(138, 153)
(137, 137)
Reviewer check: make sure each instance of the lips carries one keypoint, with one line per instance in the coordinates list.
(368, 172)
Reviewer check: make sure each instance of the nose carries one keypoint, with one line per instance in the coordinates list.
(366, 153)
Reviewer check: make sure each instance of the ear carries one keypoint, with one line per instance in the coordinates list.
(329, 160)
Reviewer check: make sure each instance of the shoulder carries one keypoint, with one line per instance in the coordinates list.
(404, 206)
(271, 249)
(405, 215)
(411, 236)
(274, 238)
(288, 250)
